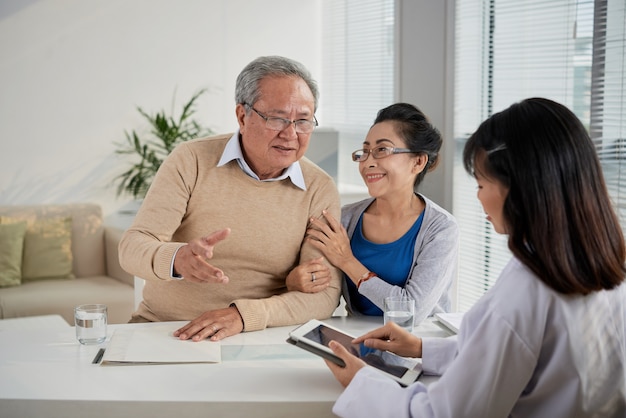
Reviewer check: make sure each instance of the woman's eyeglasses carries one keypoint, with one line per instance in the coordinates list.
(361, 155)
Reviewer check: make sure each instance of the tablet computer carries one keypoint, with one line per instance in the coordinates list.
(315, 335)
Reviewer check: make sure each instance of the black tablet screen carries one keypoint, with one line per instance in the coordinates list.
(383, 360)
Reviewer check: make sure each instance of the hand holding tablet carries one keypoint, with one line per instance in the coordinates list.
(314, 336)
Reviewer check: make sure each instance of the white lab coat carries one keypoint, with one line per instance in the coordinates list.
(523, 350)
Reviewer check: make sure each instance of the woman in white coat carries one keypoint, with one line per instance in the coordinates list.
(549, 338)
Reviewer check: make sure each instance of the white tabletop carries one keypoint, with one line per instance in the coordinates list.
(34, 323)
(46, 372)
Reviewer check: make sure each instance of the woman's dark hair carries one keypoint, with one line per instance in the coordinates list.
(419, 134)
(558, 213)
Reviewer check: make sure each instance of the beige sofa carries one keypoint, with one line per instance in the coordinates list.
(98, 277)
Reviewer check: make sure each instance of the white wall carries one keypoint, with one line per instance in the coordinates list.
(72, 73)
(426, 78)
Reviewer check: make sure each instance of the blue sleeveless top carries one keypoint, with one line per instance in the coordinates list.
(391, 262)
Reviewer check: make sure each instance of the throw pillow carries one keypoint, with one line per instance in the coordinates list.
(11, 246)
(47, 248)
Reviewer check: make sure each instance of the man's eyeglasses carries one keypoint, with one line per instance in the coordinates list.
(303, 126)
(361, 155)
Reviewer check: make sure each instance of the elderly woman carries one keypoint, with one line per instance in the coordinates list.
(397, 242)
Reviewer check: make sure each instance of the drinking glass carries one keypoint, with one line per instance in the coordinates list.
(91, 323)
(399, 309)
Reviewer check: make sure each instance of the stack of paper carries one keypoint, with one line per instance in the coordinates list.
(451, 320)
(157, 345)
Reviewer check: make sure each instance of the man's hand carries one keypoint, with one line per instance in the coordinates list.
(191, 259)
(309, 277)
(216, 325)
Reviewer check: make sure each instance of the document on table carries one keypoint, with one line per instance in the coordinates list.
(451, 320)
(156, 344)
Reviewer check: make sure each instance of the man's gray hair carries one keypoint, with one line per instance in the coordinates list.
(247, 87)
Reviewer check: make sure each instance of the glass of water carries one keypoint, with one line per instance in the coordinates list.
(399, 309)
(91, 323)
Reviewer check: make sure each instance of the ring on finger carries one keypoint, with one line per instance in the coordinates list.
(312, 277)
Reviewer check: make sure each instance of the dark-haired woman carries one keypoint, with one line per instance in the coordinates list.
(397, 242)
(549, 338)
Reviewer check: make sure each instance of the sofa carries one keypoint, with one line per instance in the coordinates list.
(54, 257)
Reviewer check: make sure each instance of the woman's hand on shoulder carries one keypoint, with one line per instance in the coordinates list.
(331, 238)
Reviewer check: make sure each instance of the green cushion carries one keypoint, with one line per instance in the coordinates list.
(11, 247)
(47, 248)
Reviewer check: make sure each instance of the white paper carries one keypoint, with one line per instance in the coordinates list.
(157, 345)
(451, 320)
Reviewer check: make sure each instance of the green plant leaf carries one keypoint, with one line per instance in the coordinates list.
(165, 133)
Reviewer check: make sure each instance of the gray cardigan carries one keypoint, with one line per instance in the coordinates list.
(435, 262)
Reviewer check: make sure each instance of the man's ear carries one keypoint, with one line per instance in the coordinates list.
(240, 112)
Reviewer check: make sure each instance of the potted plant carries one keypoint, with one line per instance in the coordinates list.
(166, 132)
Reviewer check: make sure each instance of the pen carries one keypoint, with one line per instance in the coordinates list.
(98, 356)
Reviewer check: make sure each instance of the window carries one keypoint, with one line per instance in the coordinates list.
(571, 51)
(357, 72)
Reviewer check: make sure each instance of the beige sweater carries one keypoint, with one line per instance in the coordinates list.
(190, 198)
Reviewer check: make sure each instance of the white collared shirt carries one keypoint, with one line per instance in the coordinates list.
(233, 151)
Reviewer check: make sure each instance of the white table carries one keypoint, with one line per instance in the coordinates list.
(34, 323)
(44, 372)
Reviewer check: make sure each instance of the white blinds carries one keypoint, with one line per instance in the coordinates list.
(508, 50)
(357, 71)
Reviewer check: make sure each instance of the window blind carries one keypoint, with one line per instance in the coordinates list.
(571, 51)
(357, 71)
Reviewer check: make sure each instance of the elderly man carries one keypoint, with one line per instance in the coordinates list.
(224, 221)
